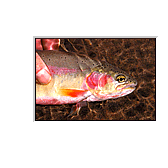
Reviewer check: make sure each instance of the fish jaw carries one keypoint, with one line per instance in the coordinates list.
(120, 90)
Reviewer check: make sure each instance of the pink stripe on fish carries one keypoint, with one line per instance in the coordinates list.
(60, 71)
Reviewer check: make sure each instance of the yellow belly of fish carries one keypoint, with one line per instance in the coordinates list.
(61, 86)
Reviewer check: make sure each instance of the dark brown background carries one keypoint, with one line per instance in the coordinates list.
(136, 57)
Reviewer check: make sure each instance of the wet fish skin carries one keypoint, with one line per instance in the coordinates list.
(77, 78)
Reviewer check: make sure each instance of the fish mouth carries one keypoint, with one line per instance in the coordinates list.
(126, 86)
(123, 90)
(130, 86)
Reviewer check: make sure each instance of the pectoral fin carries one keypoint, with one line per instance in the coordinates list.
(71, 92)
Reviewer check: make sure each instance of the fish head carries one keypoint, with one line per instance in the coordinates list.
(109, 82)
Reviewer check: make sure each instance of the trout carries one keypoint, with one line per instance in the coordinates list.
(77, 78)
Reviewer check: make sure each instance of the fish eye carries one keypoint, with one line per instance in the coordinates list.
(121, 78)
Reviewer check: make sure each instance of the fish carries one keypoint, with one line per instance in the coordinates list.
(76, 78)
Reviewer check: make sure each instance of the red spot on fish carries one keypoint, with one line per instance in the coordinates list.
(97, 79)
(103, 80)
(71, 92)
(92, 80)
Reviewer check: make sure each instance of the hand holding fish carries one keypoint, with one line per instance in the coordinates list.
(43, 75)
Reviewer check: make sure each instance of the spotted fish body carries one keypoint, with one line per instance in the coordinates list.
(77, 78)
